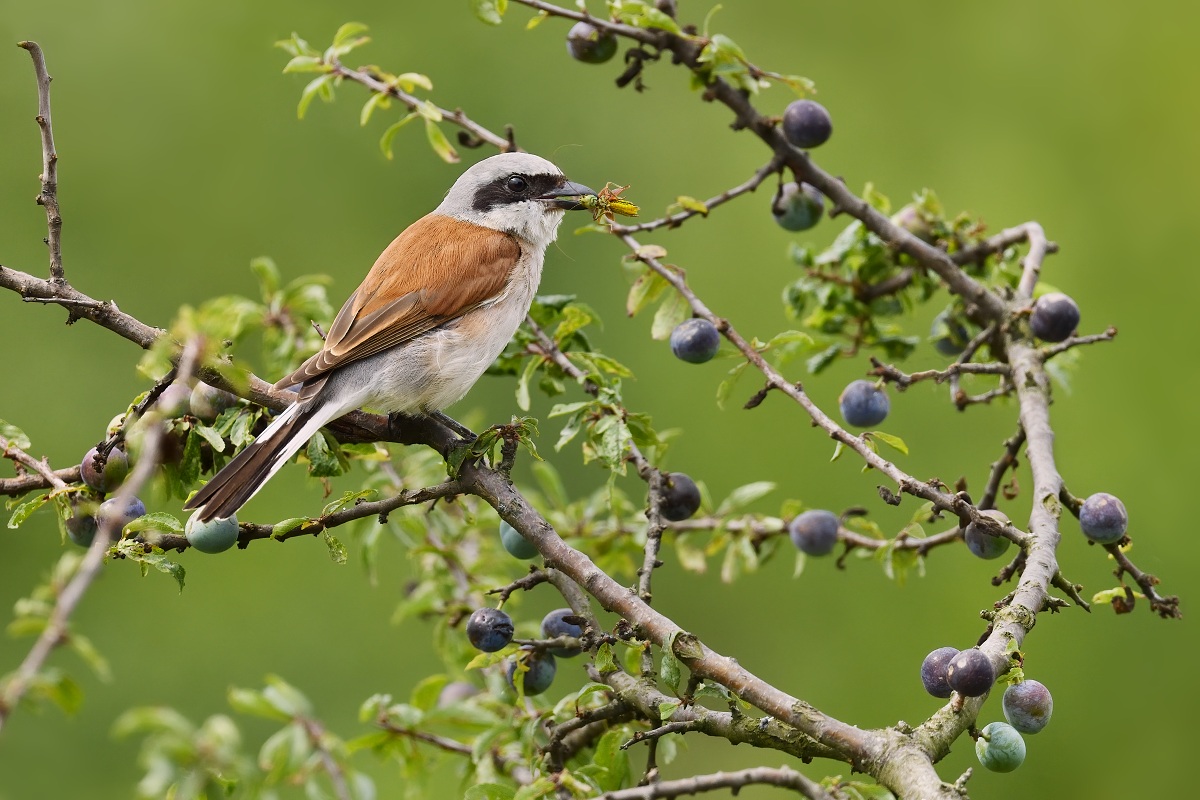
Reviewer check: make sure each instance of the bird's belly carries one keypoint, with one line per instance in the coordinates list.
(438, 369)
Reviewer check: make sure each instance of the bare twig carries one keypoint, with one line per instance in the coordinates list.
(1108, 335)
(48, 196)
(677, 219)
(337, 776)
(23, 484)
(41, 467)
(783, 778)
(1032, 263)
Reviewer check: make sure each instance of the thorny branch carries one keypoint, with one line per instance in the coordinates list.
(899, 759)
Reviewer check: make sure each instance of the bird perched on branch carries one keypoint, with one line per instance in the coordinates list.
(434, 312)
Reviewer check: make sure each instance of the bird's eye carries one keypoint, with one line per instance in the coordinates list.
(516, 184)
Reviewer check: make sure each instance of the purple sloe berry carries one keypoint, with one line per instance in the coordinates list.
(863, 404)
(806, 123)
(489, 629)
(1027, 706)
(933, 672)
(695, 341)
(556, 624)
(1103, 518)
(1055, 317)
(814, 532)
(589, 44)
(109, 478)
(681, 497)
(540, 673)
(970, 673)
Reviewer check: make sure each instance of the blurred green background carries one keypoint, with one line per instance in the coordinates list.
(182, 159)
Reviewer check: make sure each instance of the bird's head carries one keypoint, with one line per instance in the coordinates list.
(518, 193)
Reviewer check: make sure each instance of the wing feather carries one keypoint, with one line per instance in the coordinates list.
(434, 272)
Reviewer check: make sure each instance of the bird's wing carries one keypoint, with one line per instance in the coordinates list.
(434, 272)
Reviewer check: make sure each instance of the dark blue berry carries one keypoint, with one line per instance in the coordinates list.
(489, 629)
(1103, 518)
(681, 497)
(555, 624)
(695, 341)
(863, 404)
(539, 675)
(970, 673)
(1055, 317)
(806, 123)
(1027, 706)
(815, 532)
(120, 514)
(109, 478)
(933, 672)
(589, 44)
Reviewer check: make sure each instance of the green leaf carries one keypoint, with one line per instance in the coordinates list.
(15, 435)
(252, 702)
(26, 509)
(669, 670)
(489, 11)
(156, 521)
(439, 143)
(691, 204)
(306, 64)
(288, 525)
(645, 290)
(604, 661)
(324, 458)
(347, 32)
(137, 551)
(385, 141)
(285, 698)
(489, 791)
(726, 386)
(83, 646)
(744, 496)
(894, 442)
(523, 383)
(211, 436)
(667, 709)
(337, 550)
(673, 310)
(322, 85)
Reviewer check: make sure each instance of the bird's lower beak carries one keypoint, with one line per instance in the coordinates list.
(567, 197)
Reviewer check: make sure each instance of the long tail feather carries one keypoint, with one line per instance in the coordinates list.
(241, 478)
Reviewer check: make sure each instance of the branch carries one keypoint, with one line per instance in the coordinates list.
(22, 484)
(337, 776)
(55, 632)
(783, 777)
(48, 476)
(1032, 263)
(48, 196)
(675, 220)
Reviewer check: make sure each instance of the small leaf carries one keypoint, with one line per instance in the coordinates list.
(322, 85)
(211, 436)
(156, 521)
(489, 11)
(377, 100)
(673, 310)
(892, 441)
(347, 32)
(306, 64)
(744, 496)
(667, 709)
(645, 290)
(691, 204)
(439, 142)
(26, 509)
(604, 659)
(15, 435)
(385, 141)
(337, 550)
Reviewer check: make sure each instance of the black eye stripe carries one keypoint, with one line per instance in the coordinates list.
(497, 192)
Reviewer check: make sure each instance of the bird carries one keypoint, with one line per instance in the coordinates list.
(435, 310)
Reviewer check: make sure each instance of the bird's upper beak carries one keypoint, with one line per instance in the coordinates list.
(567, 196)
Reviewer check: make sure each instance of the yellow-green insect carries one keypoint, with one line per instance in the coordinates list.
(608, 201)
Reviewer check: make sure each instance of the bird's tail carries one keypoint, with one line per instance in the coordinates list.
(241, 478)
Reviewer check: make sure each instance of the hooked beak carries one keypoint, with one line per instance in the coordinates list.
(567, 197)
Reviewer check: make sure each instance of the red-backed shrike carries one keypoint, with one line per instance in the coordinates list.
(434, 312)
